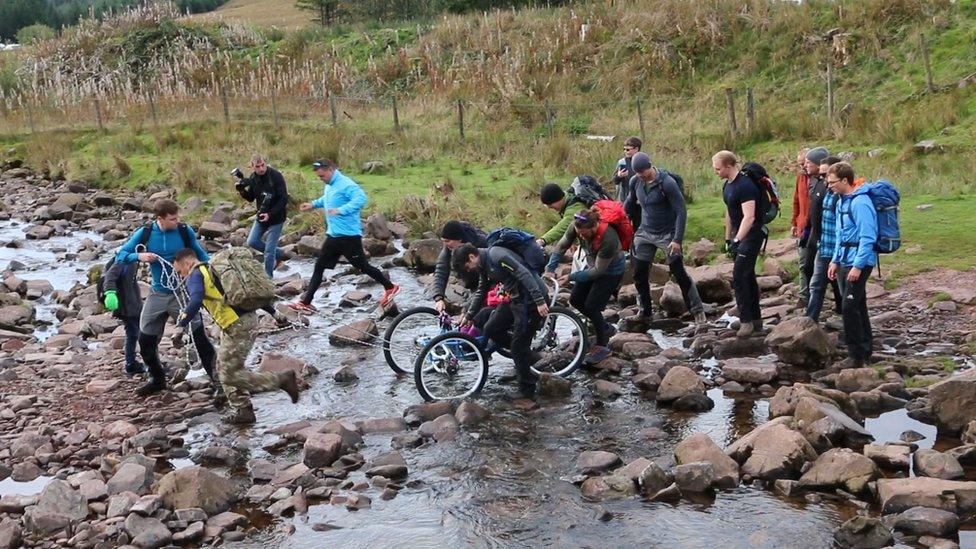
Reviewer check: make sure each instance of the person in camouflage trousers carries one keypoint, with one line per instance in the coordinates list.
(238, 328)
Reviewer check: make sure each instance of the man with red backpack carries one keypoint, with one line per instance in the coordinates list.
(663, 218)
(604, 232)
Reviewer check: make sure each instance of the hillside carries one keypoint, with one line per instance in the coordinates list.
(261, 13)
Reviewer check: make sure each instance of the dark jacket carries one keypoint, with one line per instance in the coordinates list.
(501, 265)
(121, 279)
(818, 190)
(269, 194)
(442, 271)
(623, 183)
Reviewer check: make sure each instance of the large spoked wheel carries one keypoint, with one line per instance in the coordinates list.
(451, 366)
(562, 342)
(407, 335)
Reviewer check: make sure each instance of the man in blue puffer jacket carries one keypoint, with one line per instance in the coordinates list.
(342, 199)
(854, 258)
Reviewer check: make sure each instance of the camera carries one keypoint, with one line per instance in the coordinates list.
(236, 172)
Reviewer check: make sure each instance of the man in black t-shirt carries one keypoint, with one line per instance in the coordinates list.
(743, 237)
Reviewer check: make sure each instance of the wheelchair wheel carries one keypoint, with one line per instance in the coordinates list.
(451, 366)
(407, 335)
(562, 342)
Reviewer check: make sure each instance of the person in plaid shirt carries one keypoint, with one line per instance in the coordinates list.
(825, 251)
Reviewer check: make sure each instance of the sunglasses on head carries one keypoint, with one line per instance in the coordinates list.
(580, 218)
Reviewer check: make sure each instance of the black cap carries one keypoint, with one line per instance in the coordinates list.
(550, 193)
(453, 230)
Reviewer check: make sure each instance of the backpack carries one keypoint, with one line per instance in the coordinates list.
(612, 213)
(885, 198)
(588, 190)
(241, 279)
(634, 211)
(768, 191)
(143, 240)
(522, 243)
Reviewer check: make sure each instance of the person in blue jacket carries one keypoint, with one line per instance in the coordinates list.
(854, 258)
(342, 199)
(167, 235)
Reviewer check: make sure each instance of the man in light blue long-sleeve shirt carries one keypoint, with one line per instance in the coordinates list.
(342, 199)
(854, 258)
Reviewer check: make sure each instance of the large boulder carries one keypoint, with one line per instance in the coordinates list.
(17, 318)
(377, 227)
(672, 302)
(713, 285)
(889, 456)
(213, 229)
(840, 468)
(850, 380)
(147, 532)
(679, 382)
(130, 477)
(749, 370)
(800, 341)
(785, 400)
(360, 332)
(597, 461)
(608, 487)
(694, 477)
(309, 245)
(924, 521)
(900, 494)
(953, 401)
(10, 535)
(322, 449)
(932, 463)
(197, 487)
(863, 532)
(772, 451)
(824, 425)
(422, 254)
(701, 448)
(58, 506)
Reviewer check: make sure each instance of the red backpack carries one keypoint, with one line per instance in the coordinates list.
(612, 213)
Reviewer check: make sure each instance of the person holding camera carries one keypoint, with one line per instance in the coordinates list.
(266, 188)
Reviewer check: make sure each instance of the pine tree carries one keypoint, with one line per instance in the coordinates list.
(325, 10)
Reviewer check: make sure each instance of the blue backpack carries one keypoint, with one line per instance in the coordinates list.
(885, 198)
(522, 243)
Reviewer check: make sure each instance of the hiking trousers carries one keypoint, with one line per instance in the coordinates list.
(590, 298)
(818, 289)
(523, 320)
(645, 249)
(336, 247)
(744, 282)
(239, 382)
(857, 323)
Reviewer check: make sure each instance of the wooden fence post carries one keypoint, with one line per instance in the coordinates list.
(152, 109)
(730, 105)
(750, 111)
(223, 101)
(333, 110)
(640, 119)
(549, 121)
(30, 117)
(274, 105)
(98, 115)
(460, 110)
(396, 115)
(929, 81)
(830, 90)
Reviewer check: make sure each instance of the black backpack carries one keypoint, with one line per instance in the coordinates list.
(143, 240)
(768, 192)
(588, 190)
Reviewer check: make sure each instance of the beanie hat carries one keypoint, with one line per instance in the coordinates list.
(816, 155)
(640, 162)
(453, 230)
(551, 193)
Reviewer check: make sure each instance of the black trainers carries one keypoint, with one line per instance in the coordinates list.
(135, 369)
(152, 387)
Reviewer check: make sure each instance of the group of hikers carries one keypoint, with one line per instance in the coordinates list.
(834, 222)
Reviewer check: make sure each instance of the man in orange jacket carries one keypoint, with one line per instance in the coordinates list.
(801, 212)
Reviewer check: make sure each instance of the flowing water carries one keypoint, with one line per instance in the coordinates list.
(506, 482)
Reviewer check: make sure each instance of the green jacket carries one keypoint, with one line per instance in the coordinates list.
(572, 208)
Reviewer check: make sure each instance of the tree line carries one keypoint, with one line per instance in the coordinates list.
(39, 15)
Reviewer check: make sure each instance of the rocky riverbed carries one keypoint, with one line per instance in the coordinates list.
(676, 441)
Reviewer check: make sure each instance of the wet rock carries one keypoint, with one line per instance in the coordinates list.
(276, 363)
(900, 494)
(226, 521)
(910, 436)
(607, 389)
(355, 502)
(130, 477)
(863, 532)
(824, 425)
(17, 318)
(406, 440)
(197, 487)
(800, 341)
(931, 463)
(678, 382)
(554, 386)
(969, 434)
(925, 521)
(840, 468)
(58, 506)
(213, 230)
(597, 461)
(608, 487)
(748, 370)
(381, 425)
(344, 374)
(471, 413)
(147, 532)
(772, 451)
(309, 245)
(647, 382)
(701, 447)
(422, 254)
(10, 534)
(16, 504)
(322, 449)
(633, 470)
(39, 232)
(192, 514)
(418, 413)
(441, 429)
(889, 456)
(356, 333)
(953, 401)
(739, 347)
(377, 227)
(785, 400)
(695, 477)
(857, 379)
(390, 465)
(694, 402)
(672, 301)
(347, 431)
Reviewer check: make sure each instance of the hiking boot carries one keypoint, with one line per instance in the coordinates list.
(152, 387)
(240, 416)
(281, 320)
(388, 295)
(597, 355)
(701, 322)
(609, 329)
(757, 325)
(135, 369)
(289, 384)
(745, 330)
(302, 307)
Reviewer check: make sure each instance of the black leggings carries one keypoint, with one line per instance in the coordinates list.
(350, 247)
(590, 298)
(744, 279)
(149, 348)
(523, 321)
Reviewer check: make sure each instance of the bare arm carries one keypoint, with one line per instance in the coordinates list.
(748, 218)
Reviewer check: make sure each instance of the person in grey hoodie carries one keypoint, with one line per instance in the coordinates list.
(663, 220)
(453, 235)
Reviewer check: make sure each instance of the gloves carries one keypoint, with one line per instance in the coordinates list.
(732, 248)
(111, 300)
(182, 320)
